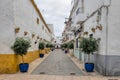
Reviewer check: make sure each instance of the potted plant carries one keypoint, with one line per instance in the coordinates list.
(41, 47)
(33, 35)
(20, 47)
(99, 27)
(25, 33)
(66, 47)
(38, 37)
(93, 30)
(71, 46)
(47, 45)
(89, 46)
(86, 33)
(62, 46)
(52, 47)
(17, 30)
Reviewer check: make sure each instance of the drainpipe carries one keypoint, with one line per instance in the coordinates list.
(106, 58)
(106, 51)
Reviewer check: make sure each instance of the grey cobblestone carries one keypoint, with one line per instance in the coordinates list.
(57, 63)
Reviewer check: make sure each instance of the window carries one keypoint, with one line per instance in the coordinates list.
(37, 20)
(77, 12)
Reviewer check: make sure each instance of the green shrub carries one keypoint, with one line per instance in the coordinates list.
(70, 45)
(51, 45)
(21, 46)
(41, 46)
(48, 45)
(89, 45)
(64, 46)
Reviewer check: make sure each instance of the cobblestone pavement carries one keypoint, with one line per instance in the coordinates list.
(58, 63)
(34, 64)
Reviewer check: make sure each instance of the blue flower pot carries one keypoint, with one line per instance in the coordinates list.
(41, 55)
(23, 67)
(52, 49)
(66, 51)
(89, 67)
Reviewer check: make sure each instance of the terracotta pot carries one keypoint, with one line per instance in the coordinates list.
(25, 33)
(86, 33)
(17, 30)
(93, 30)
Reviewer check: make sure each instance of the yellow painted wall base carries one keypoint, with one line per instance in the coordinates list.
(9, 62)
(45, 51)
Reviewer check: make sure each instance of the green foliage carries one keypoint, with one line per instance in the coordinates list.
(70, 45)
(51, 45)
(21, 46)
(41, 46)
(48, 45)
(89, 45)
(65, 45)
(62, 46)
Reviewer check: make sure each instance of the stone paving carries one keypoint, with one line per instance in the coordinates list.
(34, 64)
(58, 63)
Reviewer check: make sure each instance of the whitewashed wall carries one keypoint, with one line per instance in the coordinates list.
(114, 28)
(6, 26)
(107, 59)
(26, 18)
(22, 14)
(113, 45)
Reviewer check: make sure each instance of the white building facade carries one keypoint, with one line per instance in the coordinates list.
(25, 16)
(20, 18)
(100, 18)
(51, 27)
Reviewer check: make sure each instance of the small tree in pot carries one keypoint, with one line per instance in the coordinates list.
(89, 46)
(41, 47)
(20, 47)
(52, 47)
(47, 45)
(71, 46)
(62, 46)
(66, 47)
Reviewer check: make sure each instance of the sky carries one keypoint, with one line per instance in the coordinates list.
(55, 12)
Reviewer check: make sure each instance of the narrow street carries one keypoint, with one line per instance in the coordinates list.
(58, 63)
(56, 66)
(87, 29)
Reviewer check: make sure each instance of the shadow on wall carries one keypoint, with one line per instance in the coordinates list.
(108, 66)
